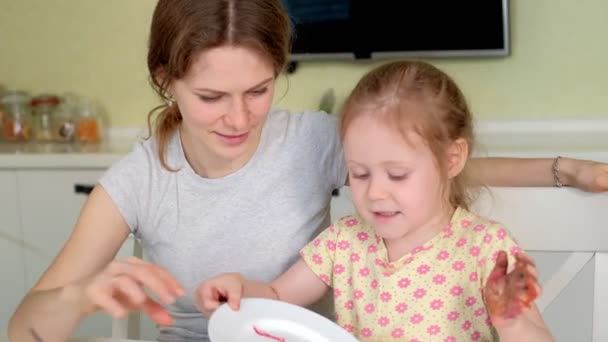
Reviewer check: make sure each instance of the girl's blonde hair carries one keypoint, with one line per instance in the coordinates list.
(416, 96)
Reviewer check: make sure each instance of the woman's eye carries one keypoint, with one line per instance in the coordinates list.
(397, 178)
(209, 98)
(259, 91)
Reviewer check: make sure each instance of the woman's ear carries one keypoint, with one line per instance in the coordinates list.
(457, 156)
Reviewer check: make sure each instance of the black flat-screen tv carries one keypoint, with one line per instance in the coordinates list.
(369, 29)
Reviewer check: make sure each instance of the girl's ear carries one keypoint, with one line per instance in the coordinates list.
(457, 156)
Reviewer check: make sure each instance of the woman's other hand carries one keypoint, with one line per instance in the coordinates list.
(589, 175)
(121, 288)
(213, 292)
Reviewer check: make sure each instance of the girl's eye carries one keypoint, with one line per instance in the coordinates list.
(359, 176)
(397, 178)
(209, 98)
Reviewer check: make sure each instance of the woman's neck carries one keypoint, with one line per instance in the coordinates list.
(397, 248)
(208, 164)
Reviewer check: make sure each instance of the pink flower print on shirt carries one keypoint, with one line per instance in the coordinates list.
(465, 223)
(325, 278)
(366, 332)
(419, 293)
(355, 257)
(343, 244)
(383, 321)
(423, 269)
(358, 294)
(453, 315)
(339, 269)
(397, 333)
(439, 279)
(458, 266)
(487, 238)
(461, 242)
(475, 251)
(515, 250)
(475, 336)
(351, 222)
(449, 339)
(349, 328)
(501, 234)
(316, 243)
(416, 319)
(364, 272)
(362, 236)
(349, 305)
(466, 325)
(414, 340)
(404, 282)
(456, 291)
(331, 245)
(436, 304)
(372, 249)
(473, 277)
(379, 262)
(480, 311)
(370, 308)
(337, 293)
(374, 284)
(479, 227)
(470, 301)
(378, 238)
(350, 281)
(443, 255)
(433, 329)
(401, 307)
(385, 296)
(317, 259)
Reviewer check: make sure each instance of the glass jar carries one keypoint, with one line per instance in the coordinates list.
(43, 109)
(88, 122)
(17, 120)
(64, 128)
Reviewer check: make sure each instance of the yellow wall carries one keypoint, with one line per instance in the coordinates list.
(558, 67)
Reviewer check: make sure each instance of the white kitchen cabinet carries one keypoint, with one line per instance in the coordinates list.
(49, 208)
(11, 256)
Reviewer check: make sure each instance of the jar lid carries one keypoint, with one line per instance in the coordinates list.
(14, 96)
(45, 100)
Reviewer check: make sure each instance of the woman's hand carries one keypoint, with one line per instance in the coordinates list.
(213, 292)
(589, 175)
(507, 295)
(120, 289)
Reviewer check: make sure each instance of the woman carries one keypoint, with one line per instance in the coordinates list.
(222, 172)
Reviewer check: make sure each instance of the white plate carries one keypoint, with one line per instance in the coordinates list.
(278, 319)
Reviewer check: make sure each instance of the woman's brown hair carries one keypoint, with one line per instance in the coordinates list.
(182, 29)
(414, 95)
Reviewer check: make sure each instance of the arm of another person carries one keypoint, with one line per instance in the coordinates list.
(298, 285)
(82, 278)
(583, 174)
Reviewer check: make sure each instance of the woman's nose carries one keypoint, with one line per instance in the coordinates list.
(238, 118)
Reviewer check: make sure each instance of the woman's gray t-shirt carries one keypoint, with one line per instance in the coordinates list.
(253, 221)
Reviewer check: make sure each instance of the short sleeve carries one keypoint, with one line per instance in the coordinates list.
(328, 147)
(124, 182)
(319, 254)
(497, 238)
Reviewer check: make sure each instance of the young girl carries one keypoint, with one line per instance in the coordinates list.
(414, 264)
